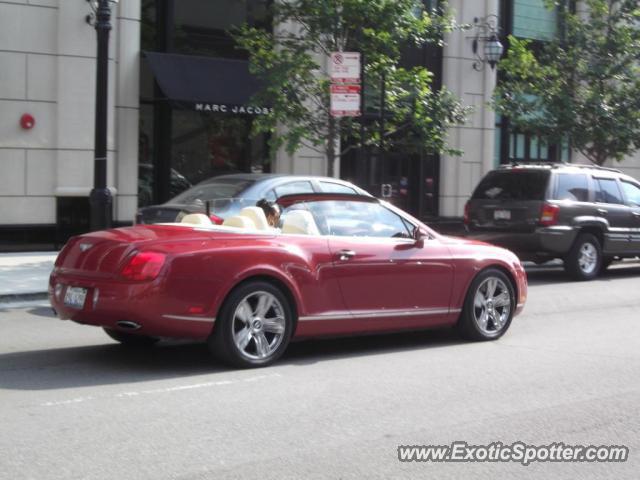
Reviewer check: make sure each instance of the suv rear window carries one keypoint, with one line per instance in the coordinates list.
(512, 185)
(572, 186)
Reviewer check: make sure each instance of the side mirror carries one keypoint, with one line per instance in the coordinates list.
(419, 235)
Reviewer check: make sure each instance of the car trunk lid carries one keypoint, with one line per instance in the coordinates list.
(104, 253)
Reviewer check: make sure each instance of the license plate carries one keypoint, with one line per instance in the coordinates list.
(75, 296)
(502, 214)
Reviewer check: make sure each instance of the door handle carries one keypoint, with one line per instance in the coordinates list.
(636, 214)
(345, 255)
(603, 211)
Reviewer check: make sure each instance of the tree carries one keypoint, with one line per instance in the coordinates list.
(584, 84)
(289, 62)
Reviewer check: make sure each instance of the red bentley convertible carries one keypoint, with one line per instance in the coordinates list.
(339, 264)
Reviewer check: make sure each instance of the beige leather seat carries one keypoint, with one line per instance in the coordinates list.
(239, 221)
(257, 216)
(196, 219)
(300, 222)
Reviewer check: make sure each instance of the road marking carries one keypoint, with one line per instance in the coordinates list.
(67, 402)
(153, 391)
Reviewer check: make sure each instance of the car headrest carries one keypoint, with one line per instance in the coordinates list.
(239, 221)
(196, 219)
(256, 214)
(300, 222)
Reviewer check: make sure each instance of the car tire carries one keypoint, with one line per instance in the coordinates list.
(488, 306)
(253, 327)
(585, 258)
(131, 339)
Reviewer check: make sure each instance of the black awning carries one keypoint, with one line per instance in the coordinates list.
(206, 84)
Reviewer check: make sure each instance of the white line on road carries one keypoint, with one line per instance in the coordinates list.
(177, 388)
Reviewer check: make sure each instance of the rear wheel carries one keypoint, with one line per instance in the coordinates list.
(254, 326)
(585, 258)
(488, 307)
(131, 339)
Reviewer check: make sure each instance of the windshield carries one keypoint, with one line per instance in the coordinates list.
(513, 185)
(219, 189)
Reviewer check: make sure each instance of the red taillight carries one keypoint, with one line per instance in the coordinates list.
(549, 214)
(216, 219)
(466, 219)
(143, 266)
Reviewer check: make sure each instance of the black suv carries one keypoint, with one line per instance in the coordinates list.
(585, 215)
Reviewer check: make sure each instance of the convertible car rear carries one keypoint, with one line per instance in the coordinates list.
(339, 264)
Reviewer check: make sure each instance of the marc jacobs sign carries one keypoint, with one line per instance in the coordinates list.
(237, 110)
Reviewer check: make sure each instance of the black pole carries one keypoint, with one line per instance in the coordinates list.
(100, 197)
(383, 106)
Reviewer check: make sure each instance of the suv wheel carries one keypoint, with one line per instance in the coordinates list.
(585, 258)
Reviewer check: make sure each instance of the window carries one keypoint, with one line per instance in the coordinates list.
(271, 196)
(572, 187)
(201, 27)
(632, 192)
(516, 184)
(355, 219)
(293, 188)
(607, 191)
(532, 19)
(330, 187)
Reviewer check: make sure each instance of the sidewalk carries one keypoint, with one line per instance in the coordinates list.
(25, 276)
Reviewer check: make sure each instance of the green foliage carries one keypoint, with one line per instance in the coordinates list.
(585, 84)
(290, 61)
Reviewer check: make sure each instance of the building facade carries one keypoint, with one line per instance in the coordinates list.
(179, 112)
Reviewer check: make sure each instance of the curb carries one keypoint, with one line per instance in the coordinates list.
(22, 297)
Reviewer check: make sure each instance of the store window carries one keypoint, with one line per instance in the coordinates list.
(203, 27)
(534, 20)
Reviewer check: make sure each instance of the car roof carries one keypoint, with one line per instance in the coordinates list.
(564, 167)
(557, 166)
(268, 180)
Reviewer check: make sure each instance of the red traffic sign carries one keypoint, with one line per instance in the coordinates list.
(345, 100)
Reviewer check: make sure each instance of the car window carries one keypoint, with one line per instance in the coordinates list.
(572, 186)
(357, 219)
(291, 188)
(271, 196)
(516, 184)
(218, 189)
(632, 192)
(607, 191)
(331, 187)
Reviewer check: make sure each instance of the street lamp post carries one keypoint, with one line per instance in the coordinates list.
(100, 198)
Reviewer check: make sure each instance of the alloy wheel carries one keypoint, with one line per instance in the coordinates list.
(258, 325)
(492, 306)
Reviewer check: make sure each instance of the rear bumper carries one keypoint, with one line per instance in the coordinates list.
(149, 305)
(543, 242)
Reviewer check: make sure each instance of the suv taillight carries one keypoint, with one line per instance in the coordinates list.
(143, 266)
(466, 219)
(549, 214)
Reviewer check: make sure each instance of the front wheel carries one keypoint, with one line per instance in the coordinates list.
(585, 258)
(488, 306)
(253, 327)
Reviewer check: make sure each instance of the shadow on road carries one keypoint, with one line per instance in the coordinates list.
(544, 275)
(73, 367)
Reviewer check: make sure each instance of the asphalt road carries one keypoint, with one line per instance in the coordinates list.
(73, 404)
